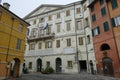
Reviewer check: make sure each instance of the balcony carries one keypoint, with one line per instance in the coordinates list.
(40, 37)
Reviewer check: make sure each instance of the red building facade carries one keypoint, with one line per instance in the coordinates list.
(105, 48)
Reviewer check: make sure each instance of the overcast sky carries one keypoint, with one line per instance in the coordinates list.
(24, 7)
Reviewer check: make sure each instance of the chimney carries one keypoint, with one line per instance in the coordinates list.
(6, 5)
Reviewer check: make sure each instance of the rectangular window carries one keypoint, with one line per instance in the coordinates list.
(18, 44)
(106, 26)
(0, 15)
(70, 65)
(78, 10)
(58, 28)
(48, 44)
(68, 26)
(101, 2)
(92, 8)
(33, 32)
(86, 22)
(30, 65)
(114, 4)
(49, 17)
(80, 40)
(34, 22)
(40, 46)
(58, 15)
(48, 30)
(48, 63)
(32, 46)
(93, 17)
(85, 7)
(96, 31)
(41, 20)
(20, 29)
(58, 43)
(88, 39)
(116, 21)
(68, 13)
(68, 42)
(103, 11)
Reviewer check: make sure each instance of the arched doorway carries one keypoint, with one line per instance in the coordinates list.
(106, 61)
(58, 65)
(107, 66)
(39, 65)
(15, 68)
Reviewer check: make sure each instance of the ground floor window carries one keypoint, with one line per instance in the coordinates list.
(30, 65)
(69, 63)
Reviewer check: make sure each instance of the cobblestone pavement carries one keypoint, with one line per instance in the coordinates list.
(39, 76)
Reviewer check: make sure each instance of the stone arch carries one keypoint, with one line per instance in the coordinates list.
(104, 47)
(15, 67)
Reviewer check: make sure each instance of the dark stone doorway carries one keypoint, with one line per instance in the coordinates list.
(39, 65)
(58, 65)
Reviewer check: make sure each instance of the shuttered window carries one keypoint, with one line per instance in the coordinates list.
(68, 42)
(103, 11)
(114, 4)
(58, 43)
(68, 13)
(68, 26)
(106, 26)
(80, 40)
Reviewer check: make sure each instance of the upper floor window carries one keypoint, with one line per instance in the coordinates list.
(86, 22)
(78, 10)
(33, 32)
(40, 46)
(50, 17)
(96, 31)
(116, 21)
(101, 2)
(68, 42)
(58, 15)
(92, 8)
(93, 17)
(20, 29)
(32, 46)
(88, 39)
(103, 11)
(41, 20)
(34, 22)
(80, 40)
(48, 30)
(58, 28)
(78, 25)
(68, 26)
(0, 14)
(106, 26)
(48, 44)
(85, 7)
(18, 44)
(114, 4)
(58, 43)
(68, 13)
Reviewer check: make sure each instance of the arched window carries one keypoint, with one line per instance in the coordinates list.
(105, 47)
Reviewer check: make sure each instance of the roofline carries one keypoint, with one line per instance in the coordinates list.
(61, 7)
(15, 15)
(50, 5)
(93, 2)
